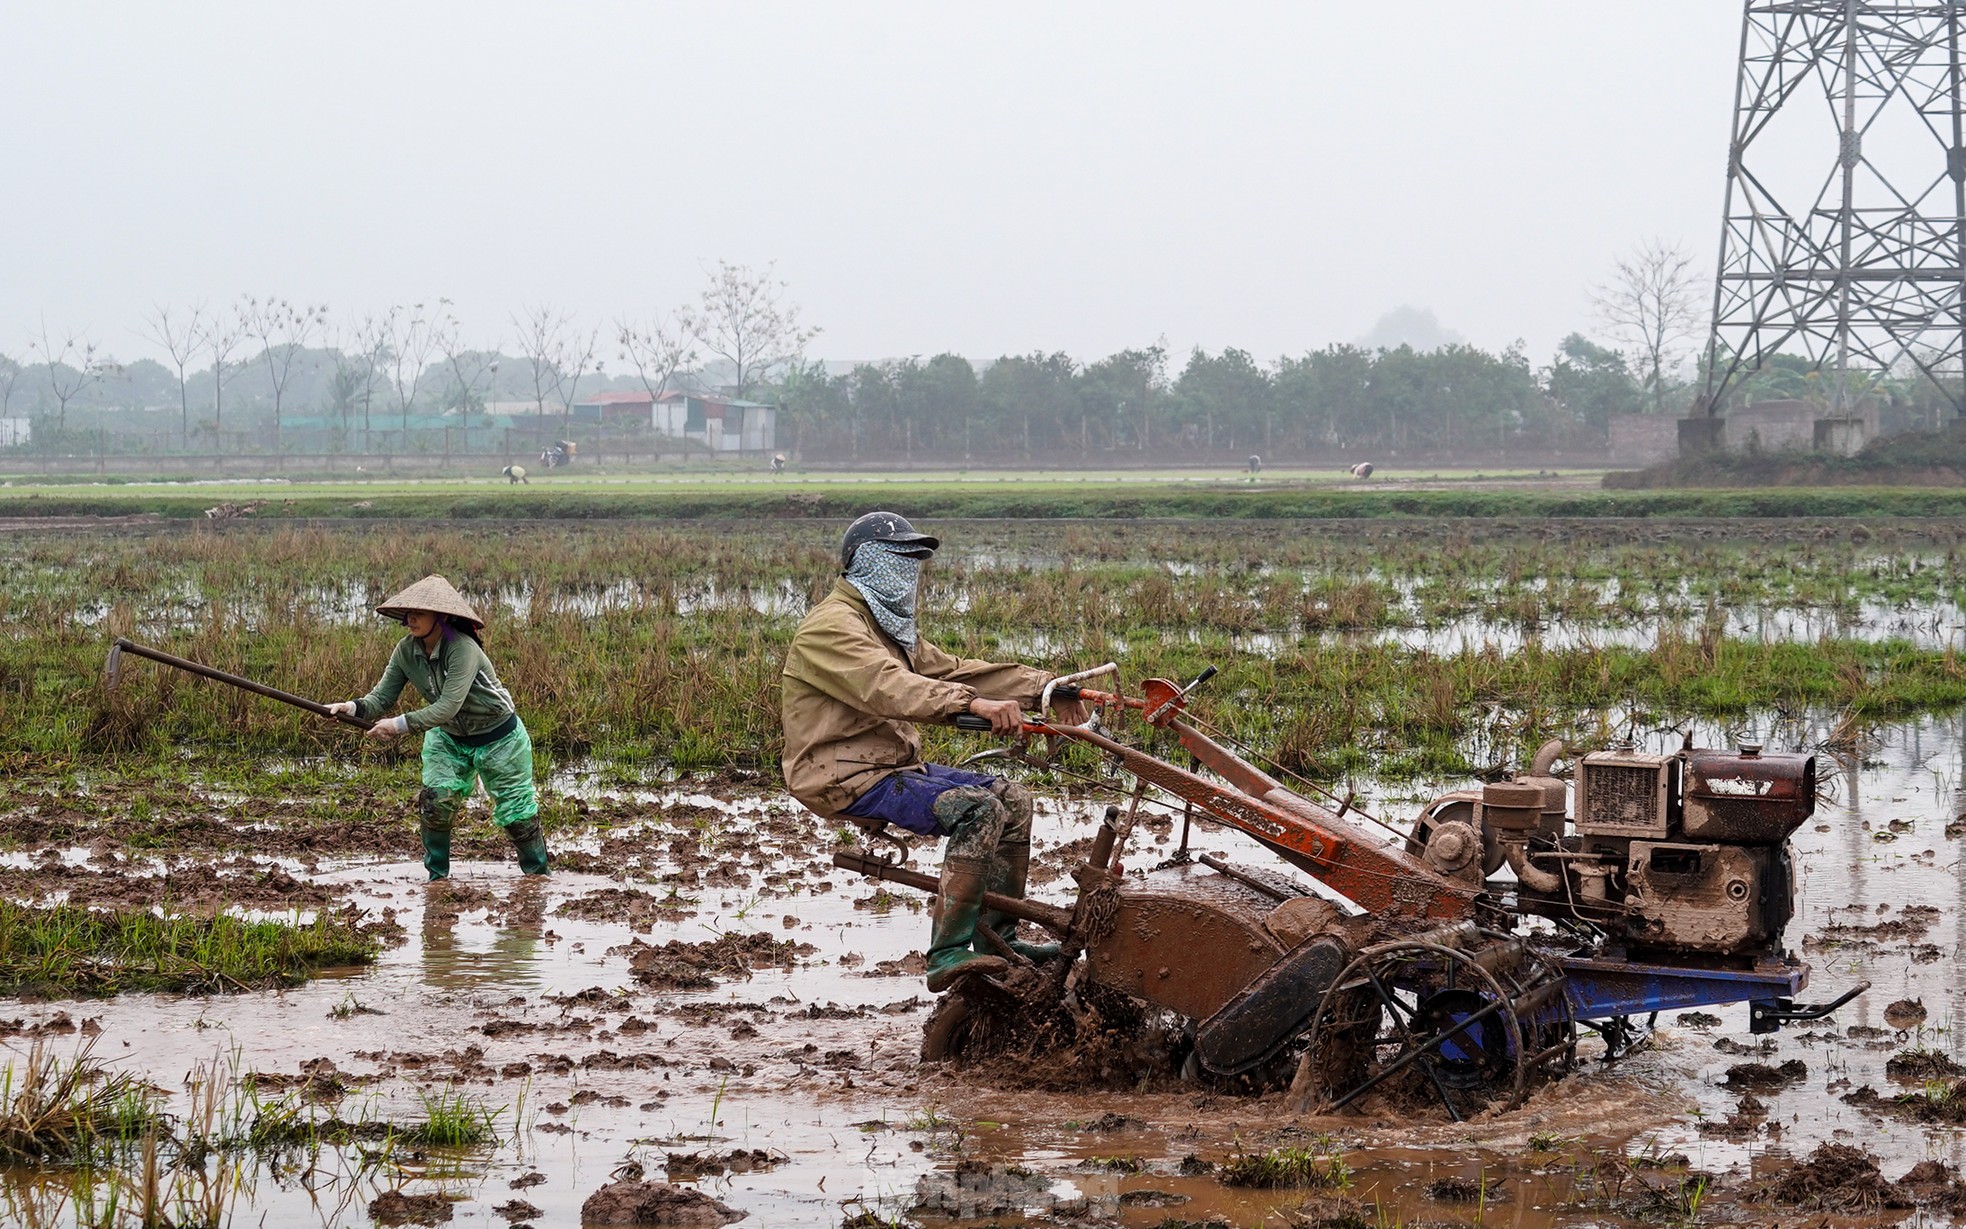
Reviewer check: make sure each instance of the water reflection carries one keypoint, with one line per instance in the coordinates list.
(502, 952)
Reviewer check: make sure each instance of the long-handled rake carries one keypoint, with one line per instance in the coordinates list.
(113, 674)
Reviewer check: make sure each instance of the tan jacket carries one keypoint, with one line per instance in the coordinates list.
(851, 698)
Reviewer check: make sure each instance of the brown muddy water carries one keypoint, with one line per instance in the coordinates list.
(797, 1089)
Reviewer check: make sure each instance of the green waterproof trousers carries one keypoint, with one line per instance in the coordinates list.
(450, 767)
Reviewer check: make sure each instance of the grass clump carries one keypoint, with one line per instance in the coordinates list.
(68, 949)
(1317, 1164)
(56, 1110)
(453, 1120)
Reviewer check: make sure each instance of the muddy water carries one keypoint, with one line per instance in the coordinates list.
(499, 993)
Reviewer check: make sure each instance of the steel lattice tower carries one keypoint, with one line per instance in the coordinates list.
(1844, 241)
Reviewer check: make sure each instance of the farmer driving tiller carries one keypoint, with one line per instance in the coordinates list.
(1454, 960)
(470, 729)
(857, 678)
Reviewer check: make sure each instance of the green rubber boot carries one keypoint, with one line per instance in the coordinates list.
(1011, 873)
(436, 813)
(959, 897)
(531, 844)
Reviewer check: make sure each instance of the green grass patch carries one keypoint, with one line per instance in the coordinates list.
(69, 950)
(1317, 1164)
(656, 646)
(1033, 497)
(453, 1120)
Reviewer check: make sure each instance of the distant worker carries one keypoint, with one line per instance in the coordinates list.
(1255, 464)
(856, 679)
(516, 473)
(1362, 470)
(778, 463)
(471, 731)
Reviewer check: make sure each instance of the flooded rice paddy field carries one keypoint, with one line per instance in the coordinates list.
(698, 989)
(697, 994)
(1425, 584)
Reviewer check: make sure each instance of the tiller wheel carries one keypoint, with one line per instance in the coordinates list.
(1464, 1017)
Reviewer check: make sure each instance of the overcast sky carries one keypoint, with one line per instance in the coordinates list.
(985, 179)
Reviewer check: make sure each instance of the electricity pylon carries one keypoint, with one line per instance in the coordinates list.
(1844, 238)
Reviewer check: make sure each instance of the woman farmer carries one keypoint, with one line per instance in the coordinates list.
(470, 729)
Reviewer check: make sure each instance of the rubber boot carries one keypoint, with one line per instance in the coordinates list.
(958, 898)
(531, 844)
(1010, 874)
(434, 826)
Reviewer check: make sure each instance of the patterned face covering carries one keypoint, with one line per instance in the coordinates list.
(885, 573)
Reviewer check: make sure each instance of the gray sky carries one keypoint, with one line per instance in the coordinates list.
(983, 178)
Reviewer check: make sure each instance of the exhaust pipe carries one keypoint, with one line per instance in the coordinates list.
(1534, 878)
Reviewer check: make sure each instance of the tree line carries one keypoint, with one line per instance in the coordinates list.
(269, 362)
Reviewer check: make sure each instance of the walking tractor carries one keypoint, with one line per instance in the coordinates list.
(1409, 964)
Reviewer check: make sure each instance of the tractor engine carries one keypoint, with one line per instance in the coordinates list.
(1671, 855)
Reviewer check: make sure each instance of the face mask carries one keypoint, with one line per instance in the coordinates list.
(886, 574)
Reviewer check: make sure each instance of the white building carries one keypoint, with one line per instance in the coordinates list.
(721, 424)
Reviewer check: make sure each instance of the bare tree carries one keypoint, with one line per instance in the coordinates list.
(72, 367)
(411, 340)
(542, 333)
(558, 352)
(222, 335)
(1651, 307)
(371, 340)
(283, 332)
(744, 320)
(657, 350)
(179, 334)
(466, 366)
(580, 357)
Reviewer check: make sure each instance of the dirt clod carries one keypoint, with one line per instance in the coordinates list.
(975, 1189)
(1837, 1178)
(696, 966)
(687, 1166)
(396, 1208)
(1918, 1065)
(1332, 1212)
(1905, 1013)
(1761, 1076)
(628, 1202)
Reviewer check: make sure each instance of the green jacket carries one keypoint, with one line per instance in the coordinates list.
(463, 692)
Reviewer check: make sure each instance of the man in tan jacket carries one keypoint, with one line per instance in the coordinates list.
(857, 679)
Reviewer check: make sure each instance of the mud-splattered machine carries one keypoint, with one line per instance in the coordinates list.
(1411, 963)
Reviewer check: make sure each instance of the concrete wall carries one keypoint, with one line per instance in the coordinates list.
(1801, 426)
(1643, 439)
(1773, 426)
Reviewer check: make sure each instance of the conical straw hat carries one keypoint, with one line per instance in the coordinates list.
(432, 593)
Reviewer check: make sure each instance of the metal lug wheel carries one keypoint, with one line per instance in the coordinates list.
(1467, 1027)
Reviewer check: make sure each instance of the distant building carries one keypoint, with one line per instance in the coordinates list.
(516, 409)
(721, 424)
(15, 431)
(615, 407)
